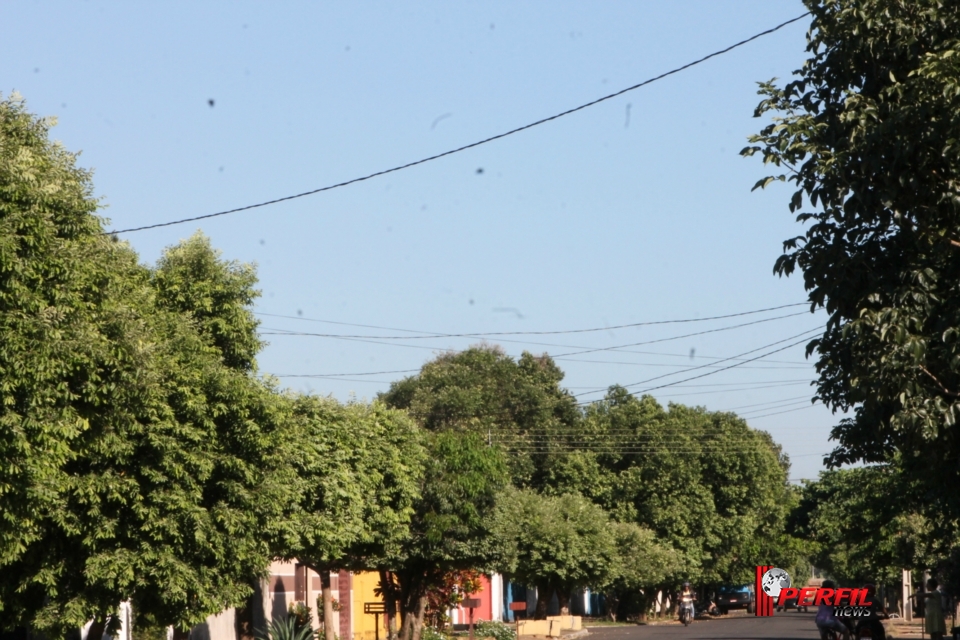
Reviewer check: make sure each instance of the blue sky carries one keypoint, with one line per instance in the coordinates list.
(636, 210)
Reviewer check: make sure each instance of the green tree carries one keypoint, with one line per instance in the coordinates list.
(704, 482)
(140, 463)
(867, 132)
(640, 566)
(516, 404)
(557, 543)
(217, 295)
(52, 350)
(452, 522)
(861, 531)
(357, 476)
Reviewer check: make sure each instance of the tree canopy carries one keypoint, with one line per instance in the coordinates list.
(452, 522)
(867, 133)
(704, 481)
(860, 526)
(141, 462)
(556, 543)
(516, 404)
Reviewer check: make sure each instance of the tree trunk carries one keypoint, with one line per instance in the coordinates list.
(390, 596)
(418, 621)
(243, 621)
(612, 602)
(544, 595)
(327, 595)
(645, 604)
(413, 604)
(563, 599)
(96, 629)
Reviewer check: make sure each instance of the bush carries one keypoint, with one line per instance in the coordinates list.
(431, 633)
(285, 628)
(494, 629)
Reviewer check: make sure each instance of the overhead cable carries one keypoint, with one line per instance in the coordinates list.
(482, 334)
(737, 357)
(465, 147)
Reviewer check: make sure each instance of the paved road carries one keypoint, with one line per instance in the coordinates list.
(780, 626)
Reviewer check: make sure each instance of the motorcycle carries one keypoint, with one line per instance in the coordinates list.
(686, 613)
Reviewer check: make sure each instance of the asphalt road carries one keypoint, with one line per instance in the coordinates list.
(781, 626)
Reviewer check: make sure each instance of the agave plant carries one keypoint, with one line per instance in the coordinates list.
(285, 628)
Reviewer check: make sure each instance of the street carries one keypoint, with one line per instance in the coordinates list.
(781, 626)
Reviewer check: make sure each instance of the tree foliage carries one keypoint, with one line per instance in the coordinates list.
(356, 476)
(140, 462)
(516, 404)
(451, 527)
(860, 527)
(704, 482)
(868, 133)
(557, 543)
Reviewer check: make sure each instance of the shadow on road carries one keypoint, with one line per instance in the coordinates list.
(780, 626)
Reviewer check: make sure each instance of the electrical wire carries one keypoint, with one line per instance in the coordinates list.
(481, 334)
(703, 366)
(767, 415)
(336, 375)
(466, 146)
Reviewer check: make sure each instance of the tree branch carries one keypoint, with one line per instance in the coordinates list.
(934, 378)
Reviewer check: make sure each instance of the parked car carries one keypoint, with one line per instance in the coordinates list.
(735, 597)
(791, 604)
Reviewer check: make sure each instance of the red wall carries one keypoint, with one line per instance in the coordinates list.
(485, 610)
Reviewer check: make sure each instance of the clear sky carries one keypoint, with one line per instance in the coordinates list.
(635, 210)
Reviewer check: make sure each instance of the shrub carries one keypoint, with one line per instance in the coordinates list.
(494, 629)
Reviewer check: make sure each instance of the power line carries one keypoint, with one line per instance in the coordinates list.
(776, 406)
(704, 366)
(271, 331)
(760, 404)
(467, 146)
(557, 357)
(336, 375)
(766, 415)
(787, 364)
(481, 334)
(710, 373)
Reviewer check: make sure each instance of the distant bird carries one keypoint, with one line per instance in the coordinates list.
(479, 170)
(210, 102)
(693, 352)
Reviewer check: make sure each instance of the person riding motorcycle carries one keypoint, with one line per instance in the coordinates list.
(827, 623)
(686, 598)
(877, 613)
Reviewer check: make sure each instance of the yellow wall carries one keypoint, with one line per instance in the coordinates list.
(363, 623)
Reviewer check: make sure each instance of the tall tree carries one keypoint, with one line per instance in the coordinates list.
(860, 527)
(218, 295)
(357, 476)
(517, 405)
(641, 565)
(557, 543)
(139, 463)
(54, 356)
(705, 482)
(867, 132)
(451, 529)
